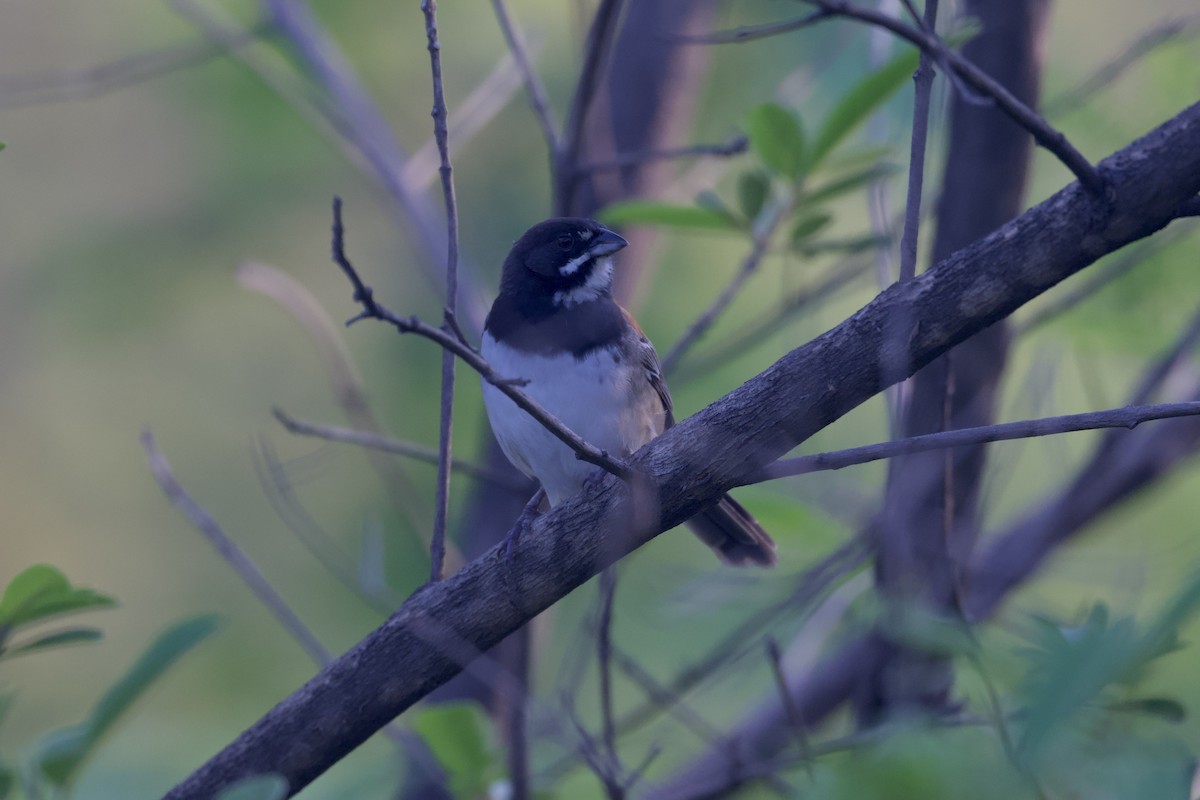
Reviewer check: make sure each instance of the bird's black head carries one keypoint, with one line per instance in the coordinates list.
(563, 261)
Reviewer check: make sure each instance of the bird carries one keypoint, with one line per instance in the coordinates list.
(555, 326)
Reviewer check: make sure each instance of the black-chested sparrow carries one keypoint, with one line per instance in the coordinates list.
(556, 326)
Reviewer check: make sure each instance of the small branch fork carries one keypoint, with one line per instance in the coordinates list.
(453, 342)
(974, 78)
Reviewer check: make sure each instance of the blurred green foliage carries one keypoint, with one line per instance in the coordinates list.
(128, 211)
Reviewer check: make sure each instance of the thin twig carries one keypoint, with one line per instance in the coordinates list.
(923, 78)
(973, 77)
(40, 88)
(1127, 417)
(265, 593)
(361, 121)
(599, 41)
(1091, 283)
(810, 585)
(1146, 43)
(364, 296)
(437, 549)
(733, 147)
(320, 545)
(533, 84)
(344, 379)
(749, 33)
(758, 250)
(608, 592)
(775, 657)
(241, 564)
(1154, 377)
(758, 330)
(389, 444)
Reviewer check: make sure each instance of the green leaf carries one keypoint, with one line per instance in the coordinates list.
(42, 591)
(805, 227)
(777, 138)
(850, 246)
(859, 103)
(647, 212)
(271, 786)
(1162, 707)
(753, 189)
(849, 183)
(6, 701)
(59, 755)
(56, 639)
(458, 734)
(8, 778)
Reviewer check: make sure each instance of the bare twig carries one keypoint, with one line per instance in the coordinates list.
(241, 564)
(775, 657)
(388, 444)
(437, 550)
(810, 585)
(344, 379)
(363, 123)
(608, 593)
(508, 385)
(733, 147)
(1146, 43)
(1094, 281)
(320, 545)
(749, 33)
(756, 331)
(265, 593)
(1154, 377)
(1127, 417)
(916, 162)
(533, 84)
(758, 250)
(599, 41)
(973, 77)
(39, 88)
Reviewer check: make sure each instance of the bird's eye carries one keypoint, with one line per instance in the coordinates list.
(565, 241)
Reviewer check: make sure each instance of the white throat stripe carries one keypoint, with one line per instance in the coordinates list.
(597, 283)
(572, 266)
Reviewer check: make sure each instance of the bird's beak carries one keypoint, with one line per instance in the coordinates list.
(606, 244)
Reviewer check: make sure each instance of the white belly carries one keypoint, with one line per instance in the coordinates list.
(586, 394)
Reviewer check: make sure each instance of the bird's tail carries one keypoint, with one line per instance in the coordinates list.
(735, 535)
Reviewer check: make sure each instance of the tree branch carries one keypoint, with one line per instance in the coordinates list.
(437, 549)
(533, 84)
(758, 251)
(388, 444)
(916, 160)
(566, 160)
(975, 78)
(1128, 417)
(696, 461)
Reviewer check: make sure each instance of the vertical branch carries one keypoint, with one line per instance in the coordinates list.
(923, 78)
(608, 591)
(566, 160)
(437, 548)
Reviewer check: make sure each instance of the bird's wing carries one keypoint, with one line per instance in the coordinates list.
(653, 369)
